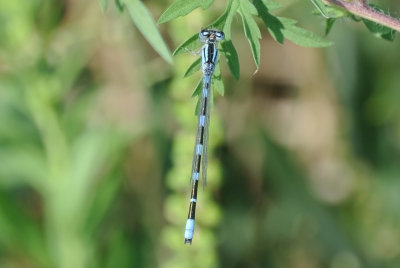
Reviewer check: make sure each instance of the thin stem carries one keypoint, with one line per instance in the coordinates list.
(363, 10)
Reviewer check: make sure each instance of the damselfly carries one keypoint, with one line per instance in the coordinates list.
(209, 55)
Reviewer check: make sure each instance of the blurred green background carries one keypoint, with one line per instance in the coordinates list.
(97, 132)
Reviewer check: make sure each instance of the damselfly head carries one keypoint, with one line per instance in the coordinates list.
(211, 36)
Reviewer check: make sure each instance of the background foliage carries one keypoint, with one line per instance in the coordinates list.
(97, 132)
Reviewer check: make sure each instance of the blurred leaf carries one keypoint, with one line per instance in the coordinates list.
(119, 5)
(103, 4)
(120, 254)
(90, 151)
(181, 8)
(146, 25)
(103, 197)
(194, 67)
(289, 185)
(22, 165)
(251, 30)
(20, 233)
(301, 36)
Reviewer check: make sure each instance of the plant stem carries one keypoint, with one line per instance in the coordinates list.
(362, 9)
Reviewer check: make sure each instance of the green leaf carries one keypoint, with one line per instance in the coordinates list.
(329, 24)
(104, 195)
(194, 67)
(119, 5)
(189, 45)
(182, 8)
(389, 36)
(232, 58)
(224, 23)
(18, 230)
(198, 88)
(218, 85)
(216, 80)
(251, 9)
(301, 36)
(378, 29)
(251, 30)
(224, 19)
(33, 162)
(103, 4)
(329, 11)
(192, 43)
(272, 23)
(354, 17)
(196, 92)
(271, 5)
(146, 25)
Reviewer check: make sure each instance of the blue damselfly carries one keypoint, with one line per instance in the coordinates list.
(209, 55)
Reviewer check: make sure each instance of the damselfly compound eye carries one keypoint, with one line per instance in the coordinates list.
(204, 34)
(219, 35)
